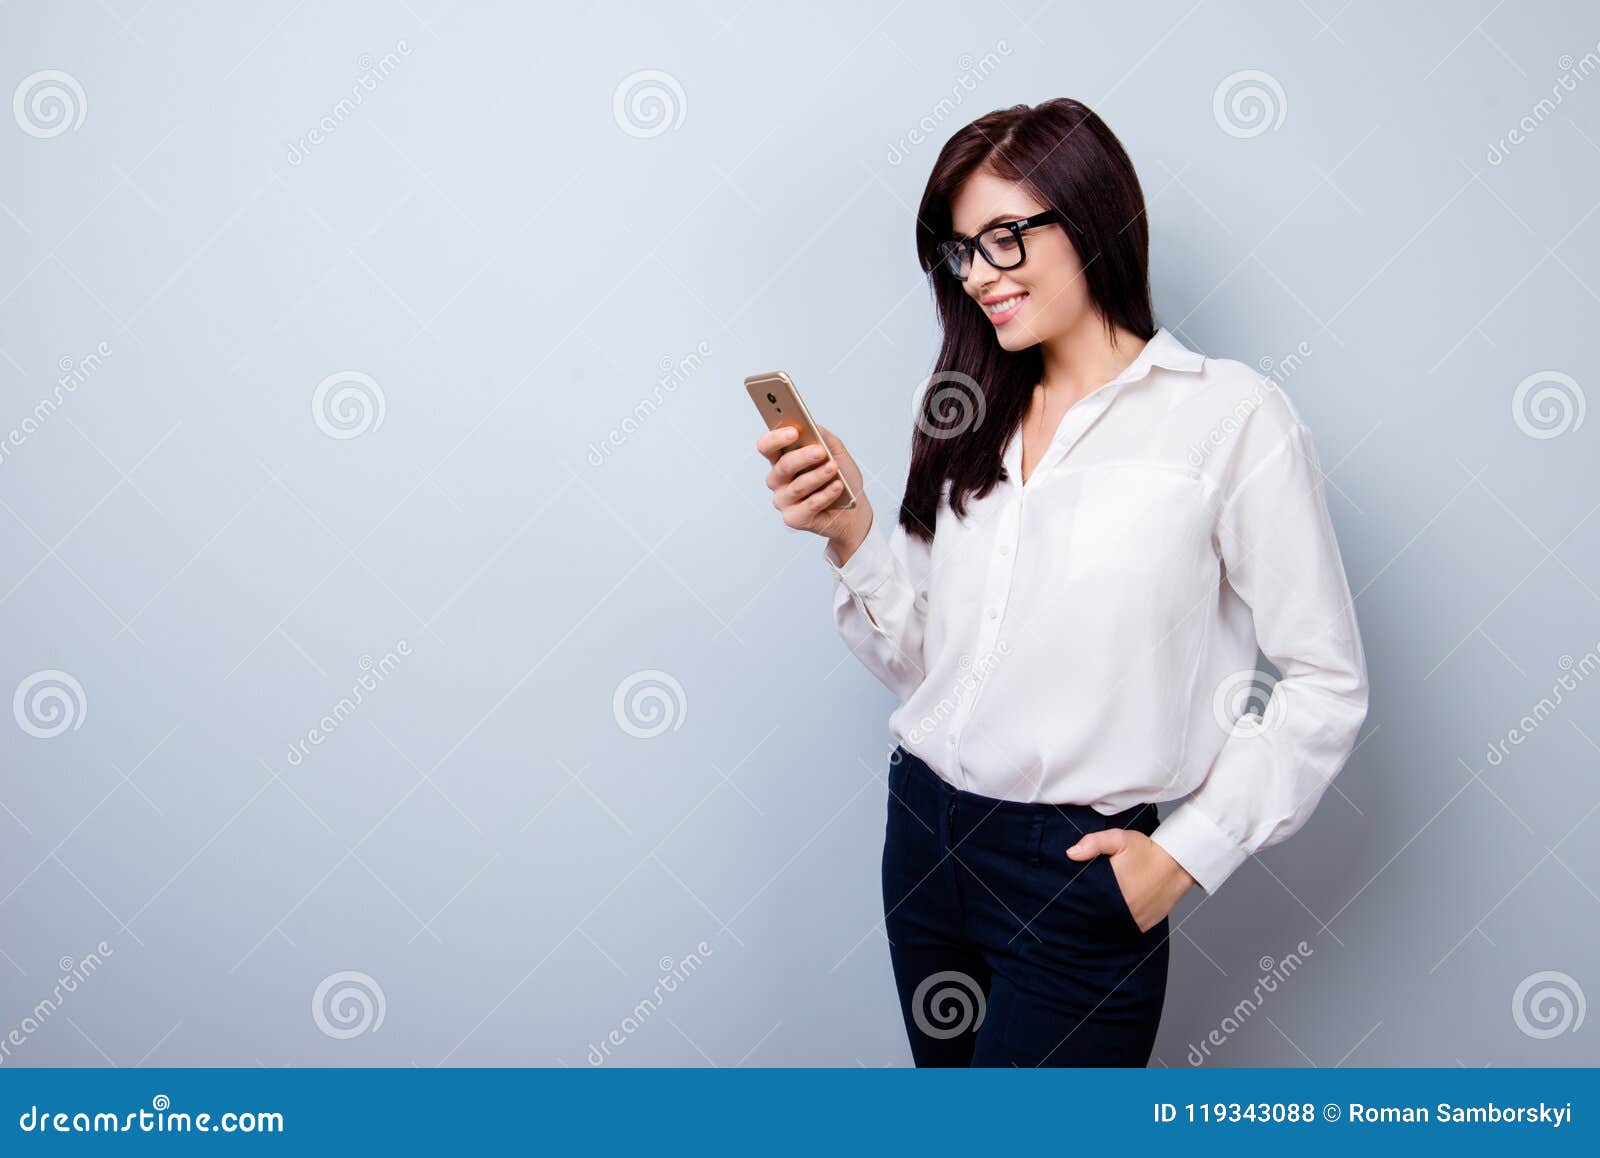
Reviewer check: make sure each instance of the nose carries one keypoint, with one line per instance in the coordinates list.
(981, 276)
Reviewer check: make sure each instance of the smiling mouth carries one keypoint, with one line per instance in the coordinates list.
(1006, 308)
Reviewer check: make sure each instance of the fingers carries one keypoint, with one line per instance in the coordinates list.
(791, 463)
(771, 444)
(805, 485)
(803, 459)
(803, 480)
(802, 514)
(1103, 842)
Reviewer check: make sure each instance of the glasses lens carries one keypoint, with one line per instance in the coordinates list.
(957, 258)
(1001, 247)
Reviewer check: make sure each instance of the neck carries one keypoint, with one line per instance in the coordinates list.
(1084, 357)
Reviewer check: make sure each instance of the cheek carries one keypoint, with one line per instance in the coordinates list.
(1059, 297)
(1059, 275)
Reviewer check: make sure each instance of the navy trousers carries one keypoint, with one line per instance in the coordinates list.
(1006, 952)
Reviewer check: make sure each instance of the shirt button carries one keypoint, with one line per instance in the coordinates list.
(1005, 549)
(994, 613)
(951, 740)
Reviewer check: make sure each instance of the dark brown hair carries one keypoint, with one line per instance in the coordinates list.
(1067, 157)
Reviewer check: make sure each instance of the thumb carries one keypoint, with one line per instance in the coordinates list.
(1105, 841)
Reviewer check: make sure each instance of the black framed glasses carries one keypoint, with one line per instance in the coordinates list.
(1001, 245)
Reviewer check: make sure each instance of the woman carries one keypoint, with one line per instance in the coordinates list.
(1099, 529)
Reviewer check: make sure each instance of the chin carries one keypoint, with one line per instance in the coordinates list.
(1017, 336)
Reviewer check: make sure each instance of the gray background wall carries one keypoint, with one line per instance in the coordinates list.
(555, 297)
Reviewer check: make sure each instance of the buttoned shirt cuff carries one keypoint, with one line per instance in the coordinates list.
(1193, 839)
(869, 567)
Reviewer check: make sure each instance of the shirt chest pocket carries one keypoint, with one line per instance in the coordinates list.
(1132, 520)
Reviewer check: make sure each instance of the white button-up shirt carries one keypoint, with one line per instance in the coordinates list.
(1090, 637)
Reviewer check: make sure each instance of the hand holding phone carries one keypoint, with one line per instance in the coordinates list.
(775, 395)
(814, 480)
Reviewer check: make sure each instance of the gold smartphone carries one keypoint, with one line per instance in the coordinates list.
(780, 404)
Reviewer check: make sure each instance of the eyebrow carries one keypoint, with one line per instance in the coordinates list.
(996, 220)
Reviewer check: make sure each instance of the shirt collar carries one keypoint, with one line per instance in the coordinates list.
(1162, 350)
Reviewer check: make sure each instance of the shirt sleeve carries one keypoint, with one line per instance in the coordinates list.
(880, 605)
(1280, 555)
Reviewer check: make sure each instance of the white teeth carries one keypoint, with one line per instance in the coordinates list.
(1001, 307)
